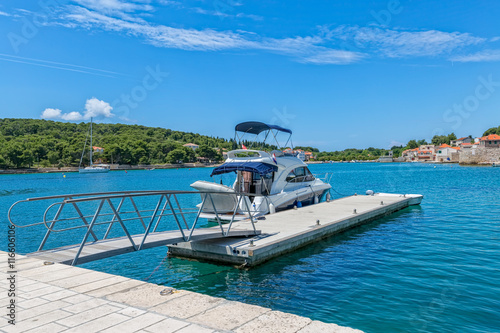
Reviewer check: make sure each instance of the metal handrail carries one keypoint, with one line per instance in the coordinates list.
(167, 205)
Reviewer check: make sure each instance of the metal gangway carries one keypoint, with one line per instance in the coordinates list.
(94, 214)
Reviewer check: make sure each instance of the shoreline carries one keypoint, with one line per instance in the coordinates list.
(114, 167)
(120, 167)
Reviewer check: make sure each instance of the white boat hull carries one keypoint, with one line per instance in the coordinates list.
(93, 170)
(226, 204)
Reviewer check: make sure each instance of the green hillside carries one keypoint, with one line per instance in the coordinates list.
(36, 142)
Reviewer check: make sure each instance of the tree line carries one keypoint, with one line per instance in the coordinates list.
(45, 143)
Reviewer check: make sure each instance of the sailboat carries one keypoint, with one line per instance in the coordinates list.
(92, 168)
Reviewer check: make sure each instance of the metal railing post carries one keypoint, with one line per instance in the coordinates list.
(113, 219)
(251, 218)
(195, 220)
(84, 220)
(180, 210)
(91, 225)
(54, 220)
(161, 213)
(146, 232)
(121, 223)
(138, 213)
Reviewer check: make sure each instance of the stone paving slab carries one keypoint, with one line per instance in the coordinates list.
(98, 302)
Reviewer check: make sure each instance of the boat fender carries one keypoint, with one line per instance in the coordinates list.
(272, 209)
(299, 204)
(316, 199)
(328, 197)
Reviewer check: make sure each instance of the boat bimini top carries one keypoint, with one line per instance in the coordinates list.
(255, 167)
(256, 127)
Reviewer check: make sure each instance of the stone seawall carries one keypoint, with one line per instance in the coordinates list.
(480, 155)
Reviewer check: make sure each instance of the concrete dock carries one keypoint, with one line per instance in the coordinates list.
(289, 230)
(62, 298)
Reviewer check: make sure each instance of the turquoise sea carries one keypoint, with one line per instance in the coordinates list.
(430, 268)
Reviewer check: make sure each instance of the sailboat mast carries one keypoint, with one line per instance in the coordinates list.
(91, 146)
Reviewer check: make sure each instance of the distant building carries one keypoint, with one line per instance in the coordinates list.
(490, 141)
(426, 153)
(460, 141)
(191, 145)
(301, 155)
(309, 155)
(97, 149)
(410, 154)
(446, 153)
(387, 158)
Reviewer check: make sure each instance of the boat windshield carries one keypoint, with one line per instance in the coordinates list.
(299, 175)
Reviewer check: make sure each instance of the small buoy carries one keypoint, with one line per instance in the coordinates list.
(64, 176)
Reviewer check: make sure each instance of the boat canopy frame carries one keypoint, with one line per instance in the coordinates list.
(256, 127)
(256, 167)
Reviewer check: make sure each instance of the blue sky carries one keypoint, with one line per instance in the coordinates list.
(340, 74)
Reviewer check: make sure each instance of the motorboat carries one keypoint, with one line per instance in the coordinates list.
(92, 168)
(265, 182)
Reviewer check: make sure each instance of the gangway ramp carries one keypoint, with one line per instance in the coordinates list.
(143, 219)
(121, 245)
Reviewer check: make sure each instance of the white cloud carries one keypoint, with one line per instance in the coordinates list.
(72, 116)
(97, 108)
(93, 108)
(51, 113)
(483, 56)
(4, 14)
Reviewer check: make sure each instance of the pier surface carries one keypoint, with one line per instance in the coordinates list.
(115, 246)
(62, 298)
(289, 230)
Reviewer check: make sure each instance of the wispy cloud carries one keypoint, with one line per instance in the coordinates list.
(250, 16)
(4, 14)
(225, 14)
(341, 45)
(482, 56)
(397, 43)
(203, 40)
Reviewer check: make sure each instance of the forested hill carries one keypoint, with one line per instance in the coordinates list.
(33, 142)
